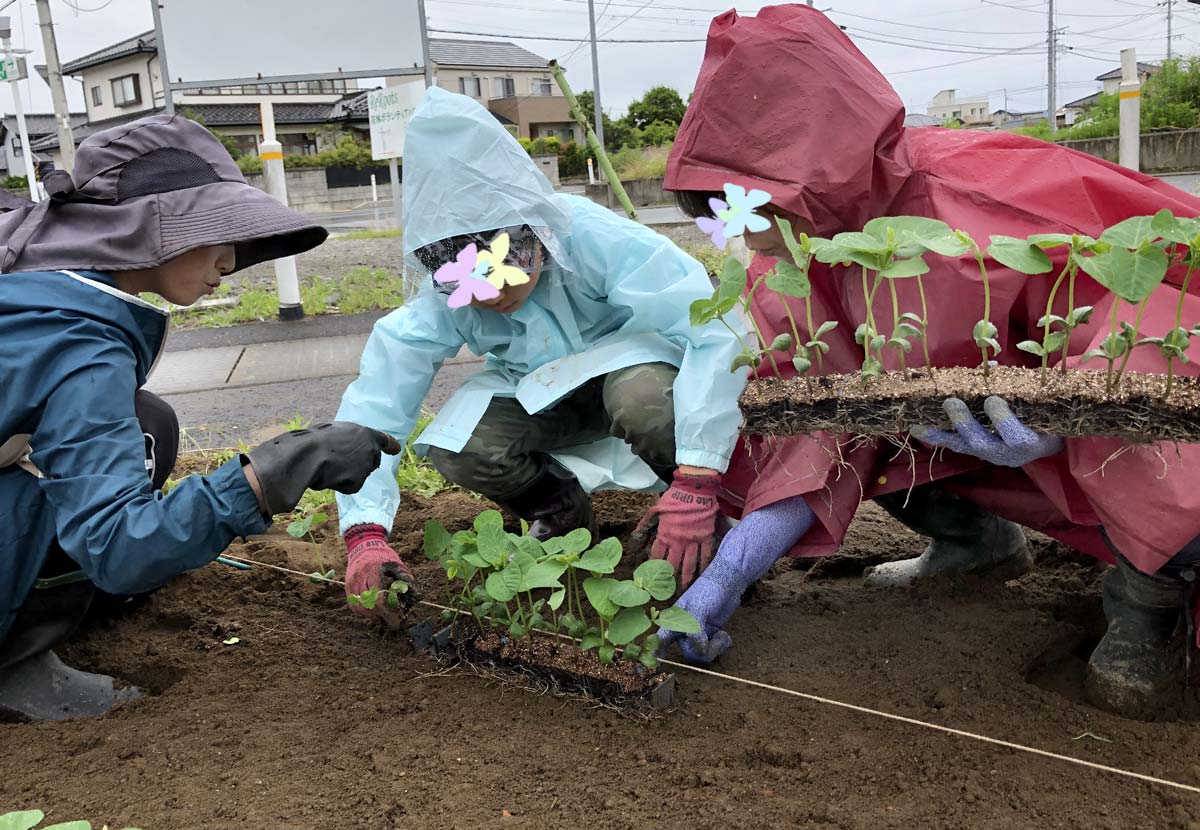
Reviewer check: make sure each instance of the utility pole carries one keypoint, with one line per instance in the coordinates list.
(1051, 70)
(596, 75)
(62, 112)
(18, 109)
(1130, 113)
(1170, 5)
(168, 94)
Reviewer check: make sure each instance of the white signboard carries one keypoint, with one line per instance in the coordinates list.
(213, 43)
(389, 111)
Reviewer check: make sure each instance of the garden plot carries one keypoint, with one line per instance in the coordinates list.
(313, 719)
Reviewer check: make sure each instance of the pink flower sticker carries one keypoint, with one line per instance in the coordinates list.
(463, 272)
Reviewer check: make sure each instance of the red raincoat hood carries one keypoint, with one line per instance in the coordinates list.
(785, 102)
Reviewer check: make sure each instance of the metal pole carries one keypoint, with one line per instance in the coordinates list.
(271, 152)
(425, 45)
(1051, 71)
(1130, 111)
(599, 114)
(18, 110)
(168, 95)
(62, 112)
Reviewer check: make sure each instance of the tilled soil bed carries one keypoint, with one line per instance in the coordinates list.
(1073, 404)
(313, 719)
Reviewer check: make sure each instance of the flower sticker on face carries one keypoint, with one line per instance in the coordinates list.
(735, 214)
(499, 274)
(467, 270)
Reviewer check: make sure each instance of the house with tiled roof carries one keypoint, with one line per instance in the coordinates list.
(123, 82)
(38, 126)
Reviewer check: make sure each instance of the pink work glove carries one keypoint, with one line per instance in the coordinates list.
(371, 563)
(684, 524)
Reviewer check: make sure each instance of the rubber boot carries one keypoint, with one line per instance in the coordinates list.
(966, 539)
(1137, 670)
(42, 688)
(554, 504)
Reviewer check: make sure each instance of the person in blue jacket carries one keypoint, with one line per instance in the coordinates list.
(156, 206)
(594, 376)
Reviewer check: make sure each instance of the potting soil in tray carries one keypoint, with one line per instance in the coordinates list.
(1075, 404)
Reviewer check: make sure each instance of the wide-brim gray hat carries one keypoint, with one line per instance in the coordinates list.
(142, 194)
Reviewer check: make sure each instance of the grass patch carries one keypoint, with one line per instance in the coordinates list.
(362, 289)
(707, 255)
(416, 474)
(390, 233)
(647, 163)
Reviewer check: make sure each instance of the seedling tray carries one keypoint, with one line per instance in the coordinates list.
(1074, 404)
(463, 642)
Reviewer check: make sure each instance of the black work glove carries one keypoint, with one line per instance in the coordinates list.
(336, 456)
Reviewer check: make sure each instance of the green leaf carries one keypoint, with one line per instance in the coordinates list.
(1052, 319)
(906, 330)
(576, 628)
(544, 575)
(606, 653)
(984, 330)
(860, 334)
(677, 620)
(70, 825)
(801, 364)
(1019, 255)
(1130, 275)
(648, 659)
(1056, 341)
(528, 545)
(830, 253)
(902, 268)
(703, 311)
(781, 343)
(1079, 316)
(1051, 240)
(901, 344)
(1178, 337)
(629, 624)
(862, 242)
(1031, 346)
(732, 280)
(877, 342)
(823, 348)
(369, 598)
(590, 641)
(577, 540)
(502, 585)
(1088, 355)
(556, 599)
(872, 368)
(393, 601)
(651, 643)
(990, 343)
(631, 651)
(743, 359)
(21, 821)
(657, 576)
(352, 599)
(298, 528)
(517, 630)
(489, 520)
(789, 281)
(476, 560)
(601, 559)
(597, 590)
(627, 594)
(484, 608)
(824, 329)
(493, 546)
(1131, 233)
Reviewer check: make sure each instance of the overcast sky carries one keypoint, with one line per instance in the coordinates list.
(943, 40)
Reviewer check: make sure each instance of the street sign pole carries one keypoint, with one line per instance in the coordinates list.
(13, 77)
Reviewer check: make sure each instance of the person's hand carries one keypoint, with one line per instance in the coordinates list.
(336, 456)
(1011, 445)
(372, 564)
(683, 523)
(745, 556)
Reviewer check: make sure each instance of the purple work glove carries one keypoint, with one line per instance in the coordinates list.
(1011, 445)
(746, 554)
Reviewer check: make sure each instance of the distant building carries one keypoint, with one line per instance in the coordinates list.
(916, 119)
(38, 125)
(946, 105)
(1112, 78)
(123, 82)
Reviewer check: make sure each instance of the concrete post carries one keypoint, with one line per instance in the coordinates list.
(1130, 112)
(62, 112)
(271, 153)
(397, 203)
(19, 110)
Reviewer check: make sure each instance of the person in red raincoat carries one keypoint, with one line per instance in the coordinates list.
(787, 104)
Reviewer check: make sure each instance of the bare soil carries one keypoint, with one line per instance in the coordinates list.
(314, 719)
(1071, 404)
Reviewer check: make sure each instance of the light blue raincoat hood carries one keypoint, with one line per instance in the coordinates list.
(464, 173)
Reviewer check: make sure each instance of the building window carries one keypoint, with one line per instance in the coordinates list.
(541, 86)
(504, 88)
(298, 144)
(127, 91)
(469, 86)
(16, 145)
(97, 98)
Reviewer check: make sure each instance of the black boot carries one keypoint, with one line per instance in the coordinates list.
(1137, 670)
(41, 688)
(966, 539)
(554, 503)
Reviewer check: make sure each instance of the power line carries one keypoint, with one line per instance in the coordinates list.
(516, 36)
(1016, 50)
(1060, 14)
(909, 25)
(960, 63)
(980, 49)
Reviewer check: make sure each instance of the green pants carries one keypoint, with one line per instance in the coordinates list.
(505, 453)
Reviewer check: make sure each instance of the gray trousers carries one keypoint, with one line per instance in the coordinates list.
(505, 452)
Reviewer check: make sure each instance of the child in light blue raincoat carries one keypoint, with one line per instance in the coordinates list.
(594, 377)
